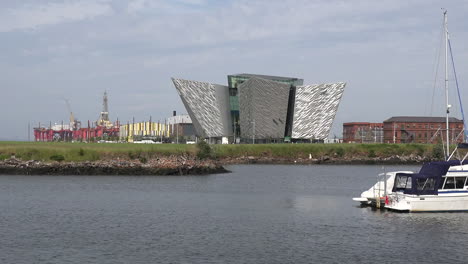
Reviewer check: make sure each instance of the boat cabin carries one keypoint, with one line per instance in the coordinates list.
(454, 183)
(434, 177)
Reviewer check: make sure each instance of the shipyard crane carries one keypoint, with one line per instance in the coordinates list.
(74, 124)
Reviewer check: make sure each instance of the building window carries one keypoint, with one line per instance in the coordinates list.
(232, 92)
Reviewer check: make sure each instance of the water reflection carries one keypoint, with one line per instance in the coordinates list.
(311, 204)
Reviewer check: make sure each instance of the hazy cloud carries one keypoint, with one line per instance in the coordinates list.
(34, 15)
(385, 50)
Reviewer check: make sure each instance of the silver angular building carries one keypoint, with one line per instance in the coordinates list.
(261, 108)
(208, 106)
(315, 107)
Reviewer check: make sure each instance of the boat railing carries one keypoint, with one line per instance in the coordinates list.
(378, 191)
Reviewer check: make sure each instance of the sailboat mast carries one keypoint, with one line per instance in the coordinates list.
(446, 84)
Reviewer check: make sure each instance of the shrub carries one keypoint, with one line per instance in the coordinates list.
(340, 152)
(420, 150)
(203, 150)
(4, 156)
(81, 152)
(57, 157)
(438, 152)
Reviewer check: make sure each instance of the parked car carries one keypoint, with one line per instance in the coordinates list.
(145, 141)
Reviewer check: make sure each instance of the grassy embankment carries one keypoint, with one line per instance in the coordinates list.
(45, 151)
(91, 152)
(336, 151)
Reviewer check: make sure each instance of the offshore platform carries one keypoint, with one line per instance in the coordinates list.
(102, 129)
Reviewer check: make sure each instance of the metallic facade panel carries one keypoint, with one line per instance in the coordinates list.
(207, 105)
(263, 106)
(315, 108)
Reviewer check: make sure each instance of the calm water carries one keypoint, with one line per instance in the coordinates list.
(257, 214)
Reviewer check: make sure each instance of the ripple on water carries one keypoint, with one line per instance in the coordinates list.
(257, 214)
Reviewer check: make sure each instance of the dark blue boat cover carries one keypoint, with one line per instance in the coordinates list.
(430, 172)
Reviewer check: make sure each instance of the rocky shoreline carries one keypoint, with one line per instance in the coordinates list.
(332, 160)
(159, 166)
(181, 165)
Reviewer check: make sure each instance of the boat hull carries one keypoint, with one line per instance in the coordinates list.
(452, 202)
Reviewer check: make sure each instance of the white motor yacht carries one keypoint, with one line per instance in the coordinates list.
(380, 190)
(438, 186)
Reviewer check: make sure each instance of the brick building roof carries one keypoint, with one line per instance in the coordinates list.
(422, 119)
(362, 123)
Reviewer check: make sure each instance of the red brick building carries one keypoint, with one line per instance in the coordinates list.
(421, 129)
(362, 132)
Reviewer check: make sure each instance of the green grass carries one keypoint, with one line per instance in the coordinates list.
(90, 152)
(320, 150)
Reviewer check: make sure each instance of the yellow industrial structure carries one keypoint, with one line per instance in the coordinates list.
(136, 131)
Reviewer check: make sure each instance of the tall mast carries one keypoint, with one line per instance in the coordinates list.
(104, 116)
(446, 84)
(105, 108)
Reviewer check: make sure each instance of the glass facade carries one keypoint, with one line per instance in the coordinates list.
(233, 83)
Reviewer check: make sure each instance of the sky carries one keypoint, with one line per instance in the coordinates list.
(386, 51)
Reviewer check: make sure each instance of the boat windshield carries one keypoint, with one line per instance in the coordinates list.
(425, 184)
(403, 182)
(416, 183)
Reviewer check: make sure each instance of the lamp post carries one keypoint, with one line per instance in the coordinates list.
(253, 133)
(375, 134)
(362, 135)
